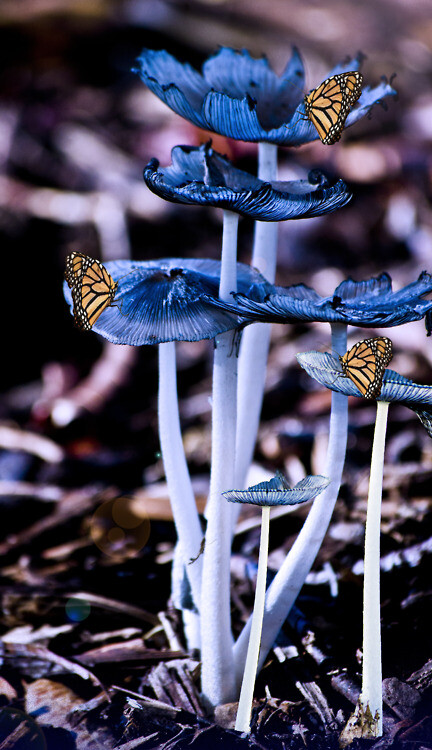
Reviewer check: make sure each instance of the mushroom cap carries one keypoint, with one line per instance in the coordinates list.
(241, 97)
(327, 370)
(278, 492)
(172, 299)
(200, 176)
(368, 303)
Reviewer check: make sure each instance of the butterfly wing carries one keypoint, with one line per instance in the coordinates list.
(365, 364)
(74, 268)
(384, 349)
(328, 105)
(92, 288)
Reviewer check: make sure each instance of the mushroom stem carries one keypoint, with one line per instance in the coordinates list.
(286, 585)
(371, 693)
(182, 600)
(218, 684)
(180, 490)
(228, 277)
(256, 338)
(367, 719)
(247, 689)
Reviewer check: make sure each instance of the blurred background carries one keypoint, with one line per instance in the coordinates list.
(77, 128)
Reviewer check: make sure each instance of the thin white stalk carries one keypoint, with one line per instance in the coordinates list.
(190, 617)
(371, 693)
(228, 277)
(180, 490)
(286, 585)
(244, 710)
(217, 672)
(256, 338)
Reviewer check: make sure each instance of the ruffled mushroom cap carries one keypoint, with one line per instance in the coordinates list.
(327, 370)
(277, 491)
(172, 299)
(242, 97)
(370, 303)
(201, 176)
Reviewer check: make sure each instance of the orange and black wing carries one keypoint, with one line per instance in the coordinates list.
(74, 267)
(384, 349)
(92, 288)
(365, 364)
(328, 105)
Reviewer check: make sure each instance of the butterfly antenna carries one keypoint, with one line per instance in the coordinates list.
(127, 274)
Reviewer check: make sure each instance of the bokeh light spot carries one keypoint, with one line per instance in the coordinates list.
(117, 530)
(77, 610)
(14, 722)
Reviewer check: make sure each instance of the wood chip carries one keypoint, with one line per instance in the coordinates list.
(116, 605)
(173, 684)
(31, 651)
(315, 697)
(401, 697)
(134, 650)
(53, 703)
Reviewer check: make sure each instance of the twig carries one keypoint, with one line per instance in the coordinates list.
(72, 504)
(108, 373)
(17, 734)
(48, 493)
(33, 651)
(22, 440)
(117, 606)
(137, 742)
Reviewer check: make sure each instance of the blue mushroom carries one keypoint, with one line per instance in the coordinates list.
(266, 494)
(242, 97)
(277, 491)
(327, 370)
(201, 176)
(173, 299)
(369, 303)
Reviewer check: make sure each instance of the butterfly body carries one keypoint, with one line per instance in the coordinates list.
(92, 288)
(328, 105)
(365, 364)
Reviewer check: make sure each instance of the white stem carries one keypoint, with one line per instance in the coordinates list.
(228, 277)
(180, 490)
(256, 338)
(286, 585)
(371, 694)
(192, 630)
(218, 685)
(190, 617)
(247, 689)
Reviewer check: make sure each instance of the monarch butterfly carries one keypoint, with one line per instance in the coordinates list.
(92, 288)
(365, 363)
(328, 105)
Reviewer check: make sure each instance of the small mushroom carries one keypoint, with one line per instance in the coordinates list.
(277, 491)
